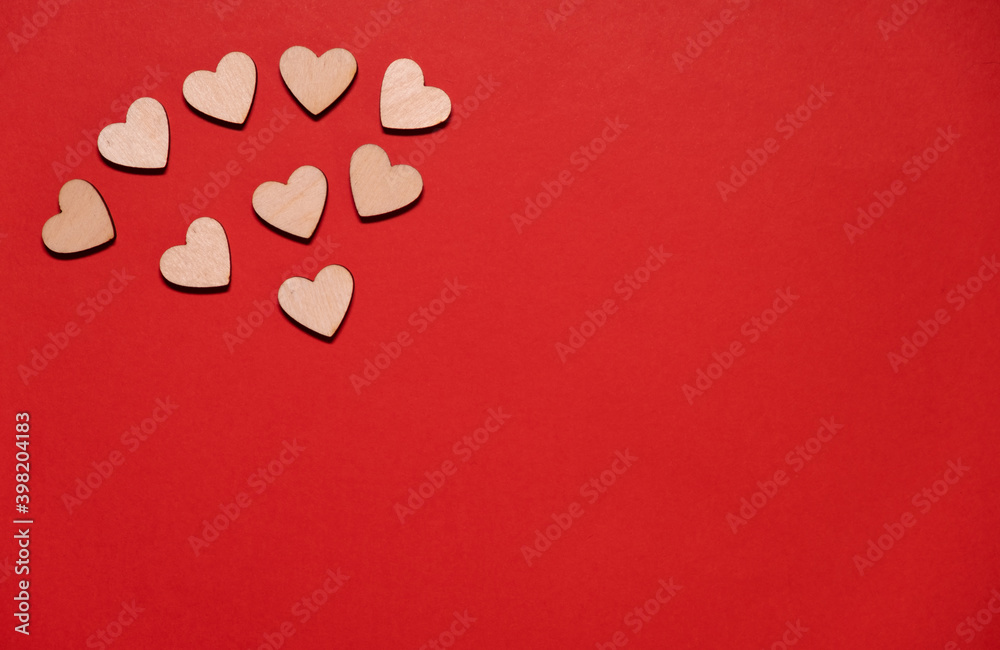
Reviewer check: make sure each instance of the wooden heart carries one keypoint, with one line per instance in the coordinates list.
(142, 141)
(319, 305)
(379, 187)
(317, 81)
(83, 223)
(227, 93)
(406, 103)
(296, 207)
(203, 262)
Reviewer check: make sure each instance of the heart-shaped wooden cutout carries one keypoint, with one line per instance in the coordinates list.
(83, 223)
(142, 141)
(294, 207)
(380, 187)
(317, 81)
(203, 262)
(319, 305)
(406, 103)
(227, 93)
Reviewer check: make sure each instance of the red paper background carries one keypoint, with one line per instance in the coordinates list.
(495, 346)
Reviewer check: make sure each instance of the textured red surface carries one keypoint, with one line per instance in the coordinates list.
(546, 88)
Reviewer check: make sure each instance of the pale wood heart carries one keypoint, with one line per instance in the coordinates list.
(406, 103)
(295, 207)
(319, 305)
(83, 223)
(142, 141)
(227, 93)
(379, 187)
(203, 262)
(317, 81)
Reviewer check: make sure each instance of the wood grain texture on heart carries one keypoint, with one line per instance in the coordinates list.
(201, 263)
(142, 141)
(319, 305)
(406, 103)
(379, 187)
(83, 222)
(317, 81)
(295, 207)
(227, 93)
